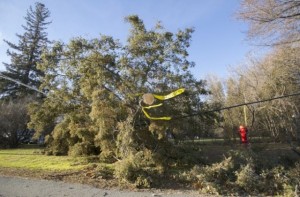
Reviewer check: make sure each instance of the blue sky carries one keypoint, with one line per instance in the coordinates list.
(219, 40)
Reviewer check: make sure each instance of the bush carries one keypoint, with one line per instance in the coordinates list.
(80, 149)
(294, 174)
(215, 178)
(124, 170)
(293, 188)
(104, 171)
(248, 180)
(139, 170)
(273, 180)
(242, 174)
(127, 171)
(57, 144)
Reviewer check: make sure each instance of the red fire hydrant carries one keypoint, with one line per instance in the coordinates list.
(243, 133)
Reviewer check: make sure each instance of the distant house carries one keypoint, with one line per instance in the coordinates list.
(26, 137)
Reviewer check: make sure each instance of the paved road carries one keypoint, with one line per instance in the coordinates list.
(22, 187)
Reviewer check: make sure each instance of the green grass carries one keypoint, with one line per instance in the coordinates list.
(31, 158)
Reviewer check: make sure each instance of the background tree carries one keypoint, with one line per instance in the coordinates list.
(272, 22)
(274, 75)
(216, 100)
(26, 54)
(13, 120)
(278, 75)
(276, 24)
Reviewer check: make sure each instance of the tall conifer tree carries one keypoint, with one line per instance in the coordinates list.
(26, 54)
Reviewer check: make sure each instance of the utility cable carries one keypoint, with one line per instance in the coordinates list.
(20, 83)
(235, 106)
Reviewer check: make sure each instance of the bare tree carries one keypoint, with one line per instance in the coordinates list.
(274, 75)
(272, 22)
(13, 120)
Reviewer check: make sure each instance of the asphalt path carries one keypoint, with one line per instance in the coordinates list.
(23, 187)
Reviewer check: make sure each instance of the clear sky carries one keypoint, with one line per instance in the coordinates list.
(219, 40)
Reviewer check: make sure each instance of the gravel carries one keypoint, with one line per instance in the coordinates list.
(24, 187)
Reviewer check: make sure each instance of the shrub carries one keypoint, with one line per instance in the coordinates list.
(273, 180)
(104, 171)
(215, 178)
(294, 174)
(248, 180)
(243, 174)
(219, 172)
(80, 149)
(139, 170)
(143, 181)
(125, 170)
(292, 188)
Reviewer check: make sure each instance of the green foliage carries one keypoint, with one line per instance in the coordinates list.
(248, 179)
(125, 170)
(94, 90)
(140, 170)
(83, 148)
(214, 179)
(92, 106)
(245, 173)
(125, 144)
(105, 171)
(294, 173)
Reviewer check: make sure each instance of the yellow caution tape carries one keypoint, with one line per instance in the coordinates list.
(171, 95)
(155, 118)
(153, 106)
(160, 97)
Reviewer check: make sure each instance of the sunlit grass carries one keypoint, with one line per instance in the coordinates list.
(33, 159)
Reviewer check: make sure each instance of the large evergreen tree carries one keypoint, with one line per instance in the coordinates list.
(25, 55)
(95, 90)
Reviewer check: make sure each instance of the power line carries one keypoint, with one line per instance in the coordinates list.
(238, 105)
(20, 83)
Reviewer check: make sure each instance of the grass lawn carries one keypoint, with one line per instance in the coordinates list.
(30, 157)
(33, 159)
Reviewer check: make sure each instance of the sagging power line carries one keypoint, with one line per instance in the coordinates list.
(237, 105)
